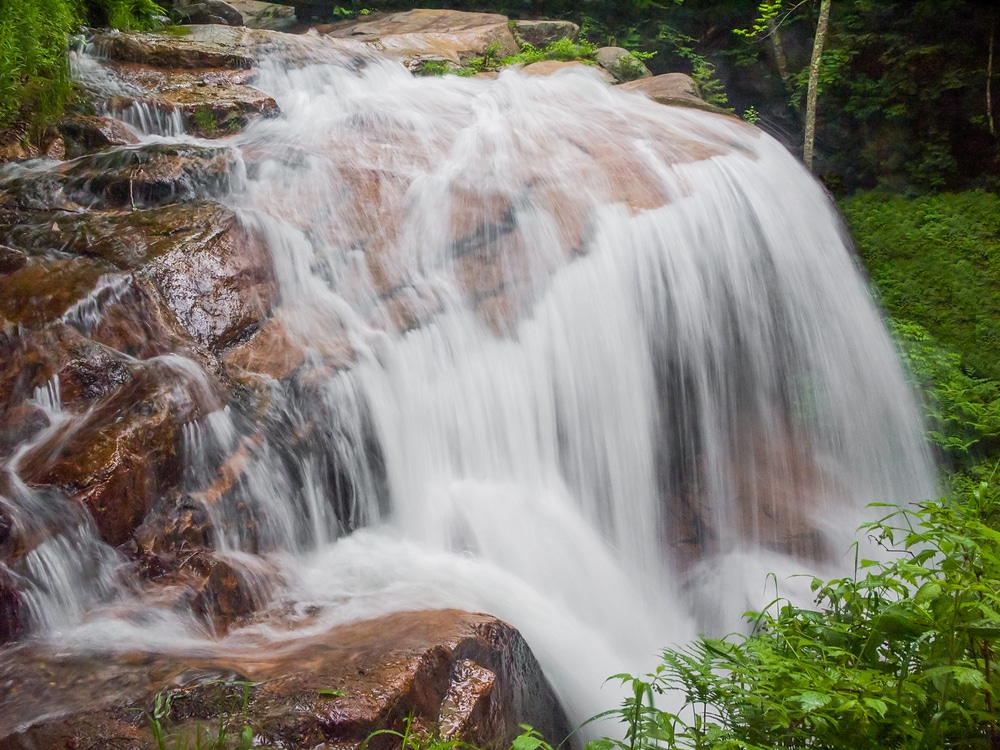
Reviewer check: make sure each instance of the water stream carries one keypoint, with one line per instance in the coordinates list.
(574, 358)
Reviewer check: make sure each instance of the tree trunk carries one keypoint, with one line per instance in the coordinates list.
(780, 60)
(817, 55)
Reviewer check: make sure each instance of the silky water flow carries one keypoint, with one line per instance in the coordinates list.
(571, 357)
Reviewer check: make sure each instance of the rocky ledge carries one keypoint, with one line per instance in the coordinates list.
(450, 674)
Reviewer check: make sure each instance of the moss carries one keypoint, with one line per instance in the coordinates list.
(935, 261)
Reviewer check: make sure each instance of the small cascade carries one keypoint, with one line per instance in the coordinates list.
(561, 354)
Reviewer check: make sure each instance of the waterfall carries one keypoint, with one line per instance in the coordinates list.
(588, 363)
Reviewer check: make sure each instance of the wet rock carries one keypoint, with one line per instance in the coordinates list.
(468, 677)
(44, 288)
(84, 134)
(11, 260)
(415, 35)
(542, 33)
(11, 602)
(18, 424)
(149, 175)
(220, 285)
(271, 351)
(776, 492)
(213, 102)
(196, 275)
(621, 63)
(122, 455)
(133, 177)
(229, 593)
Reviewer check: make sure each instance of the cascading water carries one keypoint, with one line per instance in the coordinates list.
(585, 362)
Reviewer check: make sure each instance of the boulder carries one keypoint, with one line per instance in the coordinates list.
(621, 64)
(207, 12)
(444, 35)
(261, 15)
(673, 89)
(467, 677)
(541, 33)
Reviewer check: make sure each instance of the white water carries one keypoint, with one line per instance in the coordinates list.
(519, 452)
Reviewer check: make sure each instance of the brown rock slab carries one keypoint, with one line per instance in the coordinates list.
(42, 289)
(467, 676)
(201, 46)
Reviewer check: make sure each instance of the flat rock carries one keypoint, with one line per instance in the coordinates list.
(468, 677)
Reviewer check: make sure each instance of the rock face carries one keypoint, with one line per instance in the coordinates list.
(467, 677)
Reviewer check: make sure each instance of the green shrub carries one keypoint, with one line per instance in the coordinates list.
(34, 76)
(962, 411)
(900, 655)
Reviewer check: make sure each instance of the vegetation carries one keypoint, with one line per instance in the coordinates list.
(935, 261)
(34, 34)
(901, 654)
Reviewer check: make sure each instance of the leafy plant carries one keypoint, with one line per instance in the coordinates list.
(901, 654)
(962, 411)
(702, 69)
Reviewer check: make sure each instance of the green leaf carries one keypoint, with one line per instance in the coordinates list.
(810, 701)
(929, 591)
